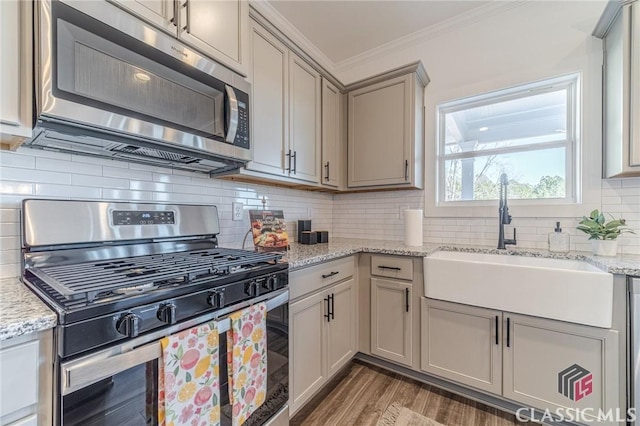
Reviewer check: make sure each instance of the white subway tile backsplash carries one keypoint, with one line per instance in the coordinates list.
(126, 173)
(12, 159)
(67, 191)
(9, 215)
(20, 188)
(56, 165)
(125, 195)
(29, 175)
(10, 229)
(150, 186)
(99, 181)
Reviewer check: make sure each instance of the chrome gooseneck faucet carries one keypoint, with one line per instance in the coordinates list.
(504, 218)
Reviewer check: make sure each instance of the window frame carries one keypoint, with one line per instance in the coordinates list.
(571, 83)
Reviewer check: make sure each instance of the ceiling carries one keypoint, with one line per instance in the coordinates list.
(342, 29)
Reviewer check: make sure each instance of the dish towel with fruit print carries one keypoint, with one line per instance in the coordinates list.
(189, 382)
(247, 361)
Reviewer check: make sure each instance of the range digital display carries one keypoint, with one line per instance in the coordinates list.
(128, 217)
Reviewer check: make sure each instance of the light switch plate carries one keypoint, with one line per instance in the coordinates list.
(236, 211)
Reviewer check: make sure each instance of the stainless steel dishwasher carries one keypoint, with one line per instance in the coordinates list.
(634, 334)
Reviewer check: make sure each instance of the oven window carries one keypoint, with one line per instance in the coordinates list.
(277, 370)
(126, 399)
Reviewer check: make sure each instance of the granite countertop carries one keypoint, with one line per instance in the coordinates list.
(21, 312)
(300, 255)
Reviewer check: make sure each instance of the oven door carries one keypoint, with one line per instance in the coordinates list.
(119, 386)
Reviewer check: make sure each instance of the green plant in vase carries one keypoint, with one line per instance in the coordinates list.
(603, 234)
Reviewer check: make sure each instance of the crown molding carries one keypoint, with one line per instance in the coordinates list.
(456, 22)
(266, 9)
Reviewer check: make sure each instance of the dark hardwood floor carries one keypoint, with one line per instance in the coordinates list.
(362, 392)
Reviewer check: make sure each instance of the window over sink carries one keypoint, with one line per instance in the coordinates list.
(530, 132)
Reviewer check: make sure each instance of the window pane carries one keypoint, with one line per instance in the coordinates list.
(527, 120)
(532, 175)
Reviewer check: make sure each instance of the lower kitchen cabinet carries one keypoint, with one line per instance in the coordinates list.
(308, 355)
(540, 363)
(451, 332)
(391, 325)
(26, 370)
(322, 339)
(554, 364)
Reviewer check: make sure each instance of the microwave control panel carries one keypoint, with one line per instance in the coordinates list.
(242, 134)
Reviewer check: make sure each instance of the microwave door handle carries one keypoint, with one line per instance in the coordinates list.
(232, 119)
(79, 375)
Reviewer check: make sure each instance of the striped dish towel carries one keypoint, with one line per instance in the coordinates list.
(247, 361)
(188, 376)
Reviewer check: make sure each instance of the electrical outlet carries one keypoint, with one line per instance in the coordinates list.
(236, 211)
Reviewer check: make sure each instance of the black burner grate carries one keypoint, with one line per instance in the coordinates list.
(143, 273)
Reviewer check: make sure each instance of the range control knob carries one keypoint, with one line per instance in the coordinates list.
(216, 299)
(252, 289)
(128, 325)
(271, 283)
(167, 313)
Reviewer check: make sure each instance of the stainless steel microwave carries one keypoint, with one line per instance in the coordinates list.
(111, 85)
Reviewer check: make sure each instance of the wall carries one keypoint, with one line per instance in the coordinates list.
(522, 42)
(30, 173)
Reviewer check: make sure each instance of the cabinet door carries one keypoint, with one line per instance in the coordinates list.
(18, 377)
(307, 350)
(551, 364)
(15, 74)
(331, 131)
(341, 339)
(304, 120)
(450, 332)
(391, 328)
(269, 103)
(216, 28)
(160, 13)
(380, 133)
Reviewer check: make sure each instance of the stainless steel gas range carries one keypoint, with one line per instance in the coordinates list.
(120, 277)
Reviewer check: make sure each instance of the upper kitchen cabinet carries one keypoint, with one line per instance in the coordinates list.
(386, 130)
(332, 100)
(269, 73)
(286, 109)
(304, 120)
(16, 72)
(619, 27)
(216, 28)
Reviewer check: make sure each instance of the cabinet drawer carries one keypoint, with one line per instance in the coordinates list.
(392, 267)
(18, 377)
(308, 280)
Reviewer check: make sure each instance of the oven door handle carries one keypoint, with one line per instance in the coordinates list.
(80, 375)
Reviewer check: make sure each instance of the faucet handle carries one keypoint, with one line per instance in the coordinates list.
(511, 242)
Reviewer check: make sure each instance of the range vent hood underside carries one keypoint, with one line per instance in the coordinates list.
(71, 140)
